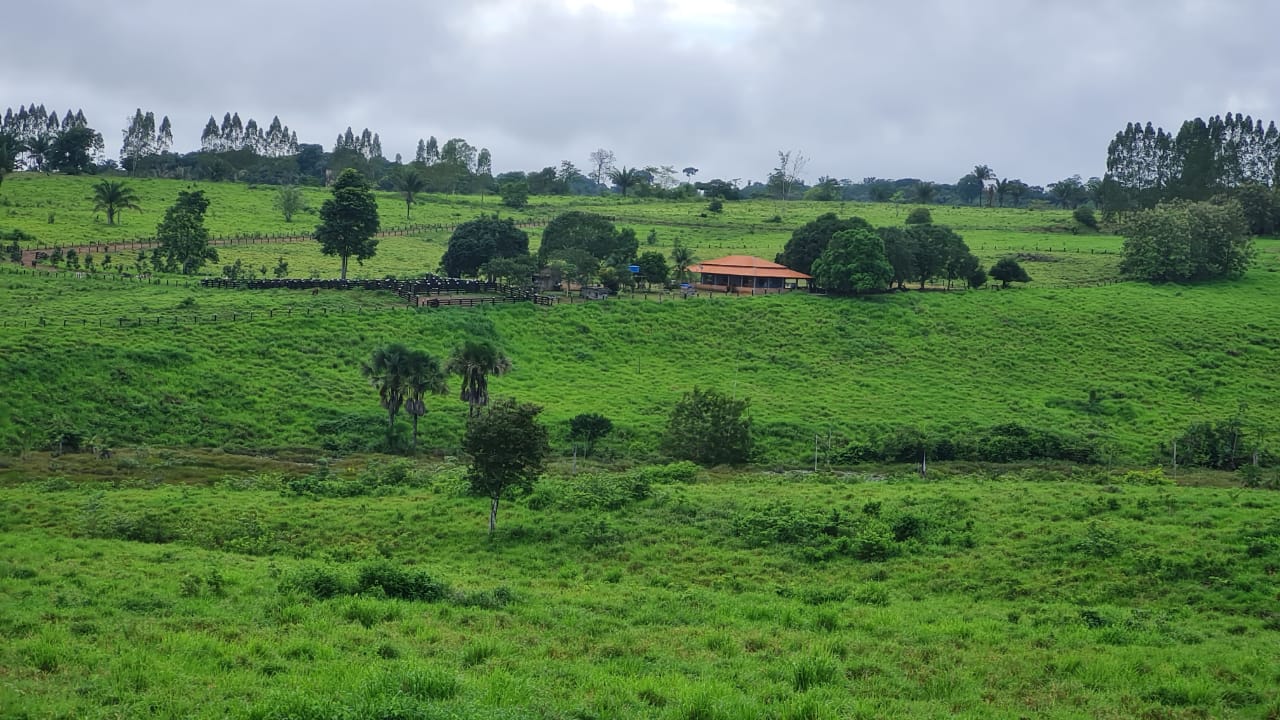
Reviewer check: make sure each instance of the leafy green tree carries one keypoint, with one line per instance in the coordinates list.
(969, 189)
(183, 239)
(827, 190)
(809, 240)
(589, 427)
(653, 267)
(480, 241)
(474, 361)
(408, 181)
(976, 279)
(349, 220)
(1084, 215)
(1007, 270)
(625, 178)
(514, 194)
(388, 370)
(508, 449)
(919, 216)
(289, 201)
(1260, 205)
(576, 264)
(1180, 241)
(590, 232)
(931, 246)
(709, 428)
(114, 196)
(74, 150)
(1016, 189)
(424, 375)
(854, 262)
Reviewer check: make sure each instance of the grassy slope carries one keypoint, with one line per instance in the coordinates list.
(1052, 599)
(1159, 357)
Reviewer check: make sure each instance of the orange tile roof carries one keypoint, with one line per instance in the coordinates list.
(747, 266)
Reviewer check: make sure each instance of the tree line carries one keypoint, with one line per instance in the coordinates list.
(34, 138)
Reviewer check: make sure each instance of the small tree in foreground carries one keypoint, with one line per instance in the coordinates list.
(184, 241)
(508, 448)
(1007, 270)
(589, 427)
(709, 428)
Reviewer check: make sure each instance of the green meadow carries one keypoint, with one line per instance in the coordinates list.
(239, 547)
(370, 591)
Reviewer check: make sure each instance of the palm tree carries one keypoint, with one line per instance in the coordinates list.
(408, 182)
(984, 173)
(682, 258)
(626, 177)
(388, 369)
(37, 149)
(113, 197)
(424, 376)
(474, 362)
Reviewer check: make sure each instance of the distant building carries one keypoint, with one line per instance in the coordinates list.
(746, 275)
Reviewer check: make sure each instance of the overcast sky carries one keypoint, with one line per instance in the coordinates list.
(919, 88)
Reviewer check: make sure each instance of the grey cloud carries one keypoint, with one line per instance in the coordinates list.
(925, 89)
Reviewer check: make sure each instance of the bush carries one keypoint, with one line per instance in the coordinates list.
(396, 582)
(1007, 270)
(716, 205)
(317, 581)
(920, 216)
(709, 428)
(1084, 215)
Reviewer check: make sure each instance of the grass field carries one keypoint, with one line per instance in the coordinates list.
(240, 554)
(610, 596)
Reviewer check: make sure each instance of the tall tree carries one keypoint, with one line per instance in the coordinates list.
(787, 175)
(425, 375)
(114, 196)
(593, 233)
(925, 192)
(349, 220)
(508, 449)
(388, 371)
(601, 164)
(474, 361)
(408, 181)
(986, 176)
(184, 241)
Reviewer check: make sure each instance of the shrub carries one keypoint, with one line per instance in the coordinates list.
(317, 581)
(1084, 215)
(716, 205)
(397, 582)
(709, 428)
(676, 472)
(919, 216)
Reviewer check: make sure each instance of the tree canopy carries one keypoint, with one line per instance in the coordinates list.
(590, 232)
(349, 220)
(184, 241)
(1181, 241)
(854, 262)
(475, 243)
(809, 240)
(1007, 270)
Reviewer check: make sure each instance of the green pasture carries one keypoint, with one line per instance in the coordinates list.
(1127, 366)
(609, 596)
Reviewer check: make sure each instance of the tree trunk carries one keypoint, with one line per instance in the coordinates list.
(493, 515)
(415, 434)
(344, 266)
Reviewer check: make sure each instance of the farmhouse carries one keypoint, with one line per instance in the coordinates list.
(746, 275)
